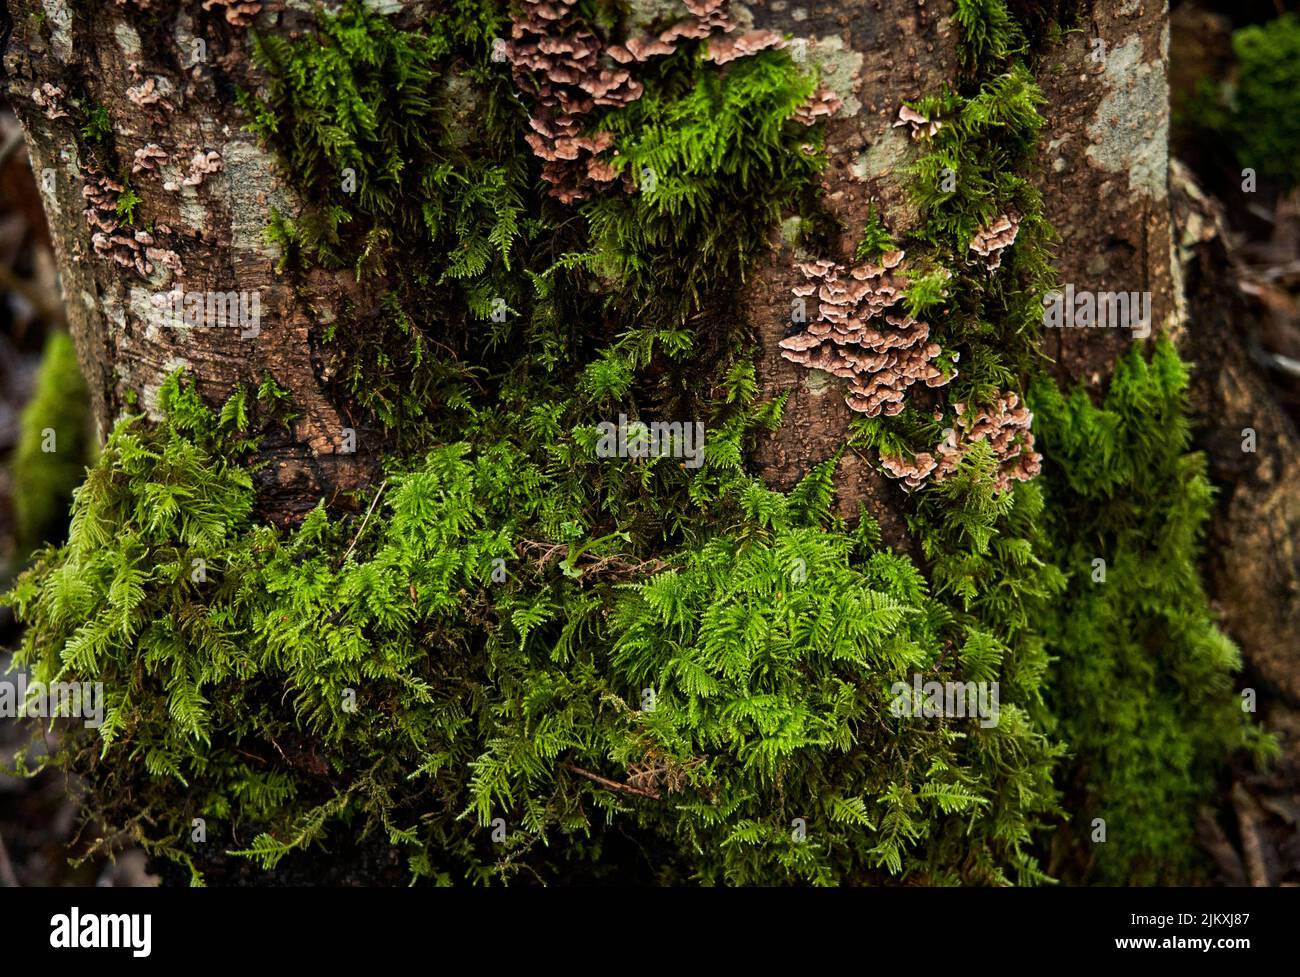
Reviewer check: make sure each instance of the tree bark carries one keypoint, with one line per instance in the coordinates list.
(206, 190)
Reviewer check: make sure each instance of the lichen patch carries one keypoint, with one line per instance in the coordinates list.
(1130, 130)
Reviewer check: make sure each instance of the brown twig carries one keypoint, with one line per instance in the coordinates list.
(1252, 838)
(612, 784)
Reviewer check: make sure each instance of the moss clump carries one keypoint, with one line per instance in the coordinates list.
(1143, 685)
(418, 697)
(1258, 111)
(54, 447)
(718, 159)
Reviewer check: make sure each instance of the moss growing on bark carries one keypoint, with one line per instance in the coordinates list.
(1143, 687)
(522, 659)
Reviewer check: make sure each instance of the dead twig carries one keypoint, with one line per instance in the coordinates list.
(1252, 840)
(612, 784)
(373, 502)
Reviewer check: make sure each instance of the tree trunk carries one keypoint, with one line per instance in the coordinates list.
(153, 186)
(205, 191)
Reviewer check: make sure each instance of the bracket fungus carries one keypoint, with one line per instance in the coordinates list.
(201, 165)
(863, 334)
(821, 104)
(149, 158)
(991, 241)
(567, 71)
(49, 99)
(729, 48)
(1005, 427)
(109, 239)
(239, 13)
(919, 123)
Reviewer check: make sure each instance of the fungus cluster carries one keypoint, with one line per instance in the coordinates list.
(239, 13)
(201, 165)
(731, 47)
(567, 71)
(148, 159)
(823, 103)
(149, 95)
(1004, 427)
(108, 238)
(920, 125)
(863, 334)
(559, 65)
(49, 99)
(991, 241)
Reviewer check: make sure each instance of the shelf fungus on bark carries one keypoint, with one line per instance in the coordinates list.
(201, 165)
(49, 99)
(566, 71)
(913, 473)
(863, 334)
(150, 95)
(728, 48)
(1005, 427)
(920, 125)
(991, 241)
(238, 13)
(821, 104)
(108, 238)
(559, 66)
(149, 158)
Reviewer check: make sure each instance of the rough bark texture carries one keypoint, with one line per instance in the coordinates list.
(1104, 173)
(1254, 563)
(206, 193)
(873, 57)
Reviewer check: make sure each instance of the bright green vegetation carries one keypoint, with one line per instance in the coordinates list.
(1258, 112)
(645, 672)
(1143, 689)
(54, 447)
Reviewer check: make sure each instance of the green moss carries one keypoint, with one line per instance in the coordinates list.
(98, 126)
(54, 447)
(645, 671)
(1143, 685)
(718, 160)
(1259, 111)
(477, 698)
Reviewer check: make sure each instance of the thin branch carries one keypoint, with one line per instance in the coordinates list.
(612, 784)
(373, 502)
